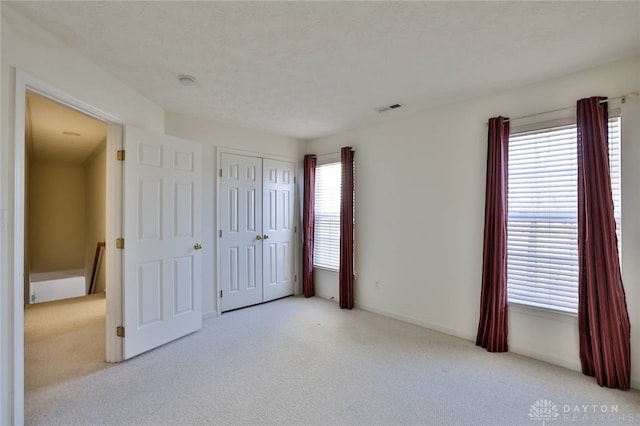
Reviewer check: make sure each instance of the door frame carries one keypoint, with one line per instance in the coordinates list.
(113, 263)
(219, 151)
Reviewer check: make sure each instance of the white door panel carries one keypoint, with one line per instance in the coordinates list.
(162, 224)
(256, 205)
(278, 193)
(240, 195)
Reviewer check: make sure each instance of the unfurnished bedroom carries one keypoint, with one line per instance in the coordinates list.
(320, 212)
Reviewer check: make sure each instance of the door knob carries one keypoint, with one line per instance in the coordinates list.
(197, 246)
(259, 237)
(266, 236)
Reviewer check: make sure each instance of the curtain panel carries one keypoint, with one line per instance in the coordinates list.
(492, 327)
(308, 225)
(346, 229)
(603, 320)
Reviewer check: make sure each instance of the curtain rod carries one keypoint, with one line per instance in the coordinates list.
(330, 153)
(623, 97)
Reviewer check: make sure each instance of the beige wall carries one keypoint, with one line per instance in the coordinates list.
(95, 175)
(57, 217)
(420, 186)
(66, 211)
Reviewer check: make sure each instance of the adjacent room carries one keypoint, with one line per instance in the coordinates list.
(320, 213)
(65, 210)
(64, 242)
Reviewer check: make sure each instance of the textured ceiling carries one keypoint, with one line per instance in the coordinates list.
(47, 121)
(308, 69)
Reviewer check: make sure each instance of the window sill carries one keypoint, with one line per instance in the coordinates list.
(326, 268)
(541, 312)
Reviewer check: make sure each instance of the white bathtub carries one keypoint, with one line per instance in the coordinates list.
(48, 286)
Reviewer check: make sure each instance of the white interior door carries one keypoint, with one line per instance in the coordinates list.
(240, 207)
(278, 229)
(162, 227)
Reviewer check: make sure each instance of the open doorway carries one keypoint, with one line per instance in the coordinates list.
(65, 214)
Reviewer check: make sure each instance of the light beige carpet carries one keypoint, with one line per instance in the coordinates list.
(63, 340)
(304, 361)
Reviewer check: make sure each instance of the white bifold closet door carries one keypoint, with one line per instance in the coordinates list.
(256, 205)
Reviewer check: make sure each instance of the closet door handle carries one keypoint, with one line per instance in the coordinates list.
(266, 236)
(197, 246)
(258, 237)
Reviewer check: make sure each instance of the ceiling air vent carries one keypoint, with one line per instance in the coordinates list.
(389, 108)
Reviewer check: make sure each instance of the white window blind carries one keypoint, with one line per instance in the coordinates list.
(542, 242)
(326, 246)
(615, 160)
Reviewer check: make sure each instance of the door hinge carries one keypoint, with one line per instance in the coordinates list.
(220, 294)
(221, 233)
(120, 155)
(295, 229)
(295, 278)
(120, 243)
(120, 331)
(220, 172)
(294, 180)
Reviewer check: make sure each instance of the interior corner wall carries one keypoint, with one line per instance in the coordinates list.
(28, 48)
(95, 176)
(216, 136)
(420, 209)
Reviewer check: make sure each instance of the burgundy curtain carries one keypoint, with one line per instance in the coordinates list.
(603, 321)
(346, 230)
(492, 328)
(308, 224)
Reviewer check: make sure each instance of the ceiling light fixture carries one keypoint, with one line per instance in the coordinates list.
(71, 134)
(187, 80)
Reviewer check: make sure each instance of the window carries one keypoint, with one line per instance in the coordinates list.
(326, 247)
(542, 241)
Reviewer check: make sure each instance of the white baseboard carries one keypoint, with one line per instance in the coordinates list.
(541, 356)
(635, 381)
(436, 327)
(575, 366)
(210, 314)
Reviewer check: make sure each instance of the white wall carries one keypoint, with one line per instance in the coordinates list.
(95, 176)
(29, 48)
(216, 136)
(420, 185)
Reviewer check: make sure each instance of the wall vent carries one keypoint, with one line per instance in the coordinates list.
(389, 108)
